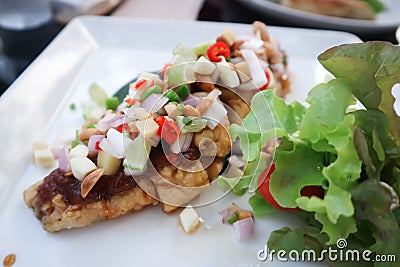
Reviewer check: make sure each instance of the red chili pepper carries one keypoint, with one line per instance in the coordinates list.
(134, 135)
(130, 101)
(121, 127)
(172, 157)
(218, 49)
(168, 129)
(164, 69)
(170, 132)
(265, 86)
(96, 146)
(160, 121)
(140, 83)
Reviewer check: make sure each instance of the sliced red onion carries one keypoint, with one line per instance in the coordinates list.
(154, 102)
(187, 141)
(116, 121)
(237, 161)
(192, 101)
(182, 143)
(236, 60)
(103, 123)
(227, 213)
(63, 160)
(122, 106)
(256, 71)
(215, 114)
(116, 143)
(244, 228)
(93, 140)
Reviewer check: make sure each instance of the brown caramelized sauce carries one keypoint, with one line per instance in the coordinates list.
(58, 183)
(107, 186)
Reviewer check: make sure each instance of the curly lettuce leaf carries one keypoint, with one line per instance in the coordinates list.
(296, 166)
(307, 237)
(328, 105)
(270, 116)
(260, 205)
(337, 202)
(373, 203)
(372, 68)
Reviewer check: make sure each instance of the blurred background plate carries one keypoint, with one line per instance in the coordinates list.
(385, 21)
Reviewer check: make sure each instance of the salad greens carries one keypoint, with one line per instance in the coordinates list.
(353, 155)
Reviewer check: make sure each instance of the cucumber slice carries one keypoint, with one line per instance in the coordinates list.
(97, 94)
(137, 155)
(190, 124)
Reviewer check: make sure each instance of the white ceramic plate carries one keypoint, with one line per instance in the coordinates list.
(384, 22)
(111, 52)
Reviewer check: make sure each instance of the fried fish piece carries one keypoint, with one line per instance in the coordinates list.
(60, 209)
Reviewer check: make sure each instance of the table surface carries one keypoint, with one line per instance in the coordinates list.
(18, 48)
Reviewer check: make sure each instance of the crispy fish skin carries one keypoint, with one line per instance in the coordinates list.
(57, 214)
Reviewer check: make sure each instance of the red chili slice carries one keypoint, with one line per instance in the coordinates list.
(218, 49)
(268, 75)
(140, 83)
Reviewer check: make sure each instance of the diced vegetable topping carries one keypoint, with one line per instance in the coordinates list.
(189, 219)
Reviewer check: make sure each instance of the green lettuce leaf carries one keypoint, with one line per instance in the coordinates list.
(372, 68)
(296, 166)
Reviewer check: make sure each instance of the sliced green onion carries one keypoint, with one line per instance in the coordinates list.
(234, 218)
(112, 103)
(72, 106)
(183, 91)
(90, 125)
(155, 89)
(172, 96)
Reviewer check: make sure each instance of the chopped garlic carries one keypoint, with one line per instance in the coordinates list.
(81, 166)
(189, 219)
(38, 146)
(44, 158)
(79, 151)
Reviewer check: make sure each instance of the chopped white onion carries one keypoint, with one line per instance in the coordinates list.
(154, 102)
(115, 144)
(215, 94)
(229, 77)
(63, 160)
(243, 228)
(203, 66)
(215, 114)
(257, 73)
(93, 140)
